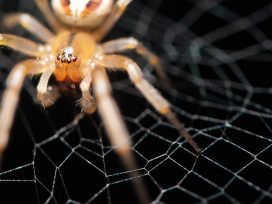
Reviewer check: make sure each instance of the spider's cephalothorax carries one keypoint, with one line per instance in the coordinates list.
(82, 12)
(74, 54)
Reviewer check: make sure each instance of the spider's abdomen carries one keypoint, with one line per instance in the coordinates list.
(73, 51)
(82, 13)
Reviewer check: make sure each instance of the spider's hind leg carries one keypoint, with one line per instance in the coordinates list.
(29, 23)
(117, 11)
(44, 7)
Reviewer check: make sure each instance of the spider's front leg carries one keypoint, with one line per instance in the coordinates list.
(88, 103)
(47, 95)
(124, 44)
(151, 94)
(116, 129)
(11, 95)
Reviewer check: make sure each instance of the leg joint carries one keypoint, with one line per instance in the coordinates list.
(134, 72)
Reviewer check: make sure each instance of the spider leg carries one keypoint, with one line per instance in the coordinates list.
(118, 10)
(20, 44)
(29, 23)
(116, 129)
(124, 44)
(44, 7)
(88, 102)
(151, 94)
(47, 95)
(10, 98)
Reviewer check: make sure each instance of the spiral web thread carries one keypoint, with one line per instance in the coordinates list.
(216, 54)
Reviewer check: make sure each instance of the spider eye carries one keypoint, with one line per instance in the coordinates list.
(82, 12)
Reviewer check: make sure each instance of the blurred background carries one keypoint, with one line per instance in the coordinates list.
(217, 54)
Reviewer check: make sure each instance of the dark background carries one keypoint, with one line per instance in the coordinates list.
(33, 124)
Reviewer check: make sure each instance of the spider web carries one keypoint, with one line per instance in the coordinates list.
(217, 54)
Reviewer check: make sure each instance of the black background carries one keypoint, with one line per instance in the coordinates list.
(45, 122)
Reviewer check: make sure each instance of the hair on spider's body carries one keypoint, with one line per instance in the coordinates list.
(74, 54)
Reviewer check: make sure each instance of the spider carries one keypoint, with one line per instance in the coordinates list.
(73, 53)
